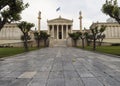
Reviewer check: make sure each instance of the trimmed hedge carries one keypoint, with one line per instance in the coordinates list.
(115, 44)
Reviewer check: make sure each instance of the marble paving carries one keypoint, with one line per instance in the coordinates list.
(60, 66)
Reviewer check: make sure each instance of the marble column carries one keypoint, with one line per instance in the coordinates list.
(66, 31)
(53, 30)
(71, 28)
(57, 32)
(62, 32)
(48, 29)
(39, 18)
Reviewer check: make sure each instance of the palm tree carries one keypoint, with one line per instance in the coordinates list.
(75, 37)
(25, 27)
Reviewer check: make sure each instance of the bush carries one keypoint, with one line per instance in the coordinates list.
(115, 44)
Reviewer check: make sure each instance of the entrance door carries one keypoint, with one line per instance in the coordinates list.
(60, 35)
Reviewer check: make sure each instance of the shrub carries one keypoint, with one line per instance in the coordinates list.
(115, 44)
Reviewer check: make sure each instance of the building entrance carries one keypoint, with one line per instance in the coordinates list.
(60, 35)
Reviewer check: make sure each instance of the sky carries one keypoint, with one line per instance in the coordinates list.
(69, 9)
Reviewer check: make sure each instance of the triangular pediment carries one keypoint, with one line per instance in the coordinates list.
(60, 20)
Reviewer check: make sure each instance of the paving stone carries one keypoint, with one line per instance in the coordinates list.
(20, 82)
(71, 74)
(60, 66)
(56, 75)
(56, 82)
(41, 75)
(37, 82)
(68, 66)
(27, 74)
(14, 74)
(109, 81)
(84, 72)
(6, 81)
(91, 82)
(57, 67)
(74, 82)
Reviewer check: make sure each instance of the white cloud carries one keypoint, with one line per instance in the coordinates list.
(91, 10)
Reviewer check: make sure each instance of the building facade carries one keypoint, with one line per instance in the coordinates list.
(10, 32)
(112, 31)
(59, 28)
(10, 35)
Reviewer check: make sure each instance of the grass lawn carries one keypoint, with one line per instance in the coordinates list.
(115, 50)
(12, 51)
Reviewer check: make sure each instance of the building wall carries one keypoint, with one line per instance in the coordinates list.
(10, 35)
(10, 32)
(112, 31)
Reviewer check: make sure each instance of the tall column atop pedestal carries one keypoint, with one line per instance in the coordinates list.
(39, 18)
(80, 13)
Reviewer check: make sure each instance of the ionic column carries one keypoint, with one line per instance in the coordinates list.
(71, 28)
(53, 30)
(57, 32)
(66, 31)
(62, 32)
(48, 29)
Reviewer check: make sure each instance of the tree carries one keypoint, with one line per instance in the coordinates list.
(95, 33)
(41, 36)
(75, 37)
(10, 11)
(37, 38)
(25, 27)
(112, 9)
(82, 36)
(88, 38)
(101, 36)
(44, 36)
(94, 36)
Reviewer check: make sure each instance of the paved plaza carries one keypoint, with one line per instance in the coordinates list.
(60, 66)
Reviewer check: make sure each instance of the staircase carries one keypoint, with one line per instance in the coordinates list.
(60, 43)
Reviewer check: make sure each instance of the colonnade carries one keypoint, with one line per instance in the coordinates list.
(59, 31)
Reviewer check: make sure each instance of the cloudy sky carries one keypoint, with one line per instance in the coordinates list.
(91, 11)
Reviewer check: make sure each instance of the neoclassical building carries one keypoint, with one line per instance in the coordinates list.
(10, 35)
(10, 32)
(59, 28)
(112, 31)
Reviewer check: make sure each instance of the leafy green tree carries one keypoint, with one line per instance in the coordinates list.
(88, 38)
(25, 27)
(10, 11)
(94, 36)
(112, 9)
(37, 38)
(101, 36)
(74, 37)
(44, 36)
(82, 36)
(41, 36)
(95, 32)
